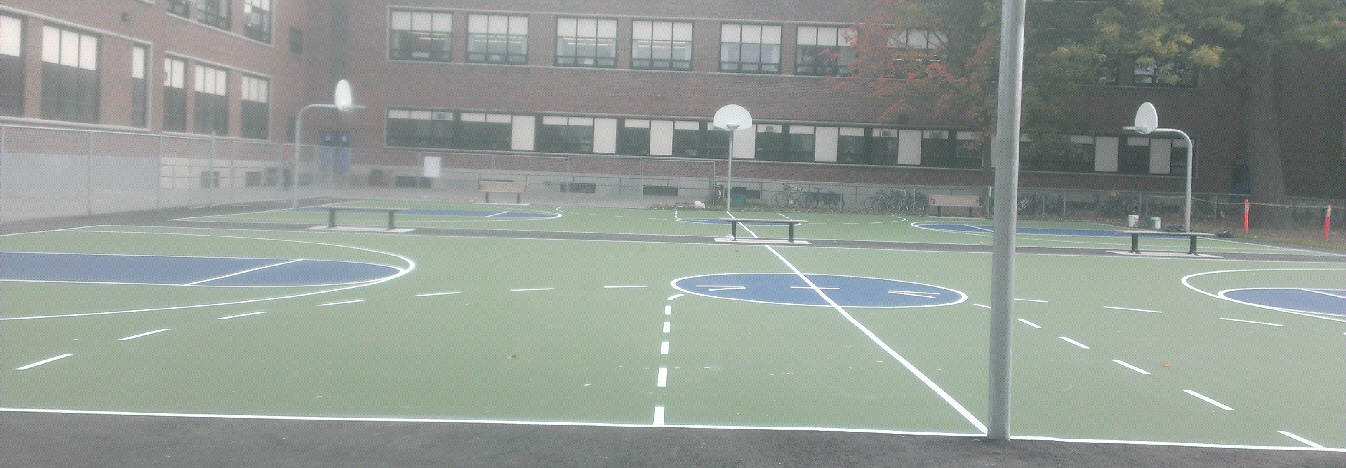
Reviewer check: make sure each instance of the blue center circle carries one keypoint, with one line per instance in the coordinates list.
(844, 291)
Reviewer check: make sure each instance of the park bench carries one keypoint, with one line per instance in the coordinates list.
(1136, 233)
(332, 213)
(503, 186)
(734, 222)
(971, 202)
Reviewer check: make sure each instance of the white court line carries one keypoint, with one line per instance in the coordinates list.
(530, 289)
(1040, 301)
(1076, 343)
(663, 378)
(1133, 310)
(668, 309)
(887, 349)
(624, 286)
(148, 333)
(1031, 324)
(1128, 366)
(445, 293)
(663, 348)
(1301, 440)
(1325, 293)
(1209, 400)
(44, 361)
(1252, 322)
(352, 301)
(241, 315)
(658, 415)
(668, 326)
(250, 270)
(675, 296)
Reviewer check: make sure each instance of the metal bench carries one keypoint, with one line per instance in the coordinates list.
(734, 222)
(332, 211)
(503, 186)
(1136, 233)
(971, 202)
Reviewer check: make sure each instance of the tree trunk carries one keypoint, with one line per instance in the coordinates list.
(1261, 119)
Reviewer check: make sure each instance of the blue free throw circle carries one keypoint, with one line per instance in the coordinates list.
(845, 291)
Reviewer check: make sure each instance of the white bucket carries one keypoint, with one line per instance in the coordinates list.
(1132, 220)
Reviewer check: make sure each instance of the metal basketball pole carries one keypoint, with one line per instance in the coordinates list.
(1005, 157)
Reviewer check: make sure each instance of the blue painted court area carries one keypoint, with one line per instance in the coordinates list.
(184, 271)
(1323, 301)
(845, 291)
(493, 214)
(987, 229)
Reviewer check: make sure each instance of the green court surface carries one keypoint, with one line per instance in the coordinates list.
(599, 329)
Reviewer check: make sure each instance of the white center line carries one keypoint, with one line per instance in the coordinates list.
(1301, 440)
(1076, 343)
(148, 333)
(241, 315)
(241, 272)
(44, 361)
(663, 378)
(1209, 400)
(1128, 366)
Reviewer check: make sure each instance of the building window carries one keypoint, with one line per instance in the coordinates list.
(716, 143)
(180, 7)
(770, 143)
(661, 45)
(214, 13)
(885, 148)
(687, 139)
(497, 39)
(566, 135)
(851, 146)
(257, 20)
(485, 131)
(175, 95)
(634, 137)
(254, 108)
(586, 42)
(420, 35)
(750, 48)
(799, 143)
(917, 40)
(69, 75)
(296, 41)
(11, 65)
(420, 128)
(823, 50)
(139, 86)
(211, 103)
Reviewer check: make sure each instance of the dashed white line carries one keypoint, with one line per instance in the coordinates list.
(1133, 309)
(624, 286)
(530, 289)
(663, 348)
(668, 309)
(432, 294)
(148, 333)
(1031, 324)
(1076, 343)
(1301, 440)
(44, 361)
(663, 378)
(1252, 322)
(1209, 400)
(1040, 301)
(241, 315)
(1129, 366)
(675, 296)
(352, 301)
(658, 415)
(668, 326)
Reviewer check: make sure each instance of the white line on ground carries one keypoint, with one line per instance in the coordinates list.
(1040, 301)
(148, 333)
(624, 286)
(1128, 366)
(675, 296)
(663, 378)
(352, 301)
(884, 346)
(1209, 400)
(242, 315)
(663, 348)
(1325, 293)
(530, 289)
(1076, 343)
(668, 326)
(44, 361)
(445, 293)
(984, 306)
(1133, 310)
(240, 272)
(1031, 324)
(1301, 440)
(658, 415)
(1252, 322)
(668, 309)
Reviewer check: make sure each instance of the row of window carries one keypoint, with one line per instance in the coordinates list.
(71, 88)
(449, 129)
(427, 35)
(219, 13)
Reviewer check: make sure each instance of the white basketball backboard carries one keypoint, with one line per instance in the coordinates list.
(732, 117)
(1147, 120)
(342, 97)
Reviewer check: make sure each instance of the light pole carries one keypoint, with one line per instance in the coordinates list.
(342, 101)
(731, 117)
(1147, 122)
